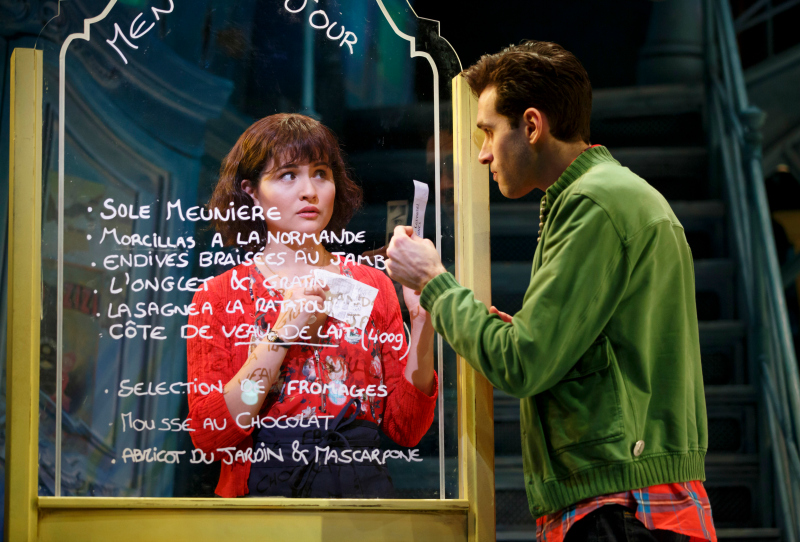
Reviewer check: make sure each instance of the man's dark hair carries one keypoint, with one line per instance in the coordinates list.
(538, 74)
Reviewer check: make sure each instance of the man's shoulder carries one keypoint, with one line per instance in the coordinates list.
(628, 200)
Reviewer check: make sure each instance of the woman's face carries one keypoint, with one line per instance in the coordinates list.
(302, 193)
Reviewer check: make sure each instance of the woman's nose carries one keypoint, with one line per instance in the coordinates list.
(307, 189)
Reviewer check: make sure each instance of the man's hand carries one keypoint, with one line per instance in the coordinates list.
(505, 317)
(413, 261)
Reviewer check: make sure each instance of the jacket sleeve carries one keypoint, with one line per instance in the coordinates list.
(570, 299)
(211, 361)
(409, 411)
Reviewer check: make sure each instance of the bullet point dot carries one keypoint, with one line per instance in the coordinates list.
(106, 391)
(98, 315)
(89, 237)
(94, 264)
(113, 461)
(95, 291)
(89, 210)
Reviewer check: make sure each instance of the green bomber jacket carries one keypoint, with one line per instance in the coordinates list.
(605, 353)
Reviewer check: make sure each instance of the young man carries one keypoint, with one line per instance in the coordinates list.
(604, 353)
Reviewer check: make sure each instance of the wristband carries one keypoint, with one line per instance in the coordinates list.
(274, 338)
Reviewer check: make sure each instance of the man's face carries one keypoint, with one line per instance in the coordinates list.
(505, 149)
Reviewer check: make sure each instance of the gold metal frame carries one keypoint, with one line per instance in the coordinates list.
(24, 294)
(30, 517)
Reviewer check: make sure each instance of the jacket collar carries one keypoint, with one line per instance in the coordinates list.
(584, 162)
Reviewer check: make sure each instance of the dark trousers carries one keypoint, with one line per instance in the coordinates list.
(612, 523)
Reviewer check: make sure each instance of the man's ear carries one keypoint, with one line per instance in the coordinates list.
(535, 124)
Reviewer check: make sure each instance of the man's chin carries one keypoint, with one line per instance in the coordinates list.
(511, 192)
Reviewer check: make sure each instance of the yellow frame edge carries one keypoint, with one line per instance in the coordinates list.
(473, 270)
(386, 505)
(24, 294)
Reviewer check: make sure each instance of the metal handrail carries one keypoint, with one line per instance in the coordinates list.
(735, 148)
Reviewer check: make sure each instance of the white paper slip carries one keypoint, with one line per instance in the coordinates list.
(351, 301)
(418, 209)
(396, 215)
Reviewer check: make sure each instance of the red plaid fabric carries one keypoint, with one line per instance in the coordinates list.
(681, 508)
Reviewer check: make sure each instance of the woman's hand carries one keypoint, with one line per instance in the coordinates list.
(415, 310)
(301, 308)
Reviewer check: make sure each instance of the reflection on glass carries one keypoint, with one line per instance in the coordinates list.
(153, 103)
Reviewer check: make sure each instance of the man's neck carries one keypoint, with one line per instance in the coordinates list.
(559, 156)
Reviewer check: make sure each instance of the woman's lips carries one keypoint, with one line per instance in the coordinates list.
(309, 212)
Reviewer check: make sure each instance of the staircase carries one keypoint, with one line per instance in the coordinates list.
(658, 132)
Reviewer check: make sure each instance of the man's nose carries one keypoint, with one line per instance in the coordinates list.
(485, 156)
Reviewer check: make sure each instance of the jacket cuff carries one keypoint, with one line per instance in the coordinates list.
(436, 287)
(419, 396)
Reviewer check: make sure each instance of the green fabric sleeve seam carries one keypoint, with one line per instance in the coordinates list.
(605, 211)
(653, 223)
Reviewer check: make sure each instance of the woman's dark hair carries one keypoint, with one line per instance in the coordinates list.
(282, 138)
(538, 74)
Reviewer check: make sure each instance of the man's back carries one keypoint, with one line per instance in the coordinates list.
(633, 402)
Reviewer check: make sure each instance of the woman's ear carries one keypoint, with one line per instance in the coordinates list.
(248, 188)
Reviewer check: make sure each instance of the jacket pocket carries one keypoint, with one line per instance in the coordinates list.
(585, 406)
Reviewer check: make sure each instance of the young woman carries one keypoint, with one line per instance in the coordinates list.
(294, 380)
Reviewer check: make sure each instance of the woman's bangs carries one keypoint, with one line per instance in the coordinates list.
(307, 148)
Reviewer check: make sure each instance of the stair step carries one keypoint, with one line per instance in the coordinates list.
(734, 488)
(731, 394)
(727, 461)
(715, 289)
(645, 101)
(721, 331)
(676, 172)
(764, 534)
(656, 115)
(722, 347)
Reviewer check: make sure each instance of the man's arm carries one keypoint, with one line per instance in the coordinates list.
(569, 301)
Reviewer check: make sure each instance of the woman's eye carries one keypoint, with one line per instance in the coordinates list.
(288, 176)
(322, 174)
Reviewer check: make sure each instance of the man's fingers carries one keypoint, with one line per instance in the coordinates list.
(505, 317)
(403, 231)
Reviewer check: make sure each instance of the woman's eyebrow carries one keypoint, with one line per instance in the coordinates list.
(321, 163)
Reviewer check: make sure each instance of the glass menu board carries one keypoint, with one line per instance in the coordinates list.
(219, 181)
